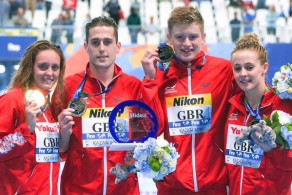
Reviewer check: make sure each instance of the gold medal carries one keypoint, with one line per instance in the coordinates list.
(36, 96)
(165, 53)
(79, 106)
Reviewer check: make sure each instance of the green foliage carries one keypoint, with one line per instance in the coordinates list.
(154, 163)
(276, 126)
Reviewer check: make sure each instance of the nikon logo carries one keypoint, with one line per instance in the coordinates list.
(184, 101)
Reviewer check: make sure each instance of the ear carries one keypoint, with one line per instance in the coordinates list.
(265, 68)
(119, 45)
(203, 38)
(169, 39)
(85, 45)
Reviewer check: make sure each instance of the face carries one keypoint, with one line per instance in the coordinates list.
(187, 40)
(248, 71)
(102, 47)
(46, 69)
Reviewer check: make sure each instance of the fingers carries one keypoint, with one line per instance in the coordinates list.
(256, 136)
(150, 57)
(65, 118)
(149, 61)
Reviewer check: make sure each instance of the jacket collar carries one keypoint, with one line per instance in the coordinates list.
(238, 100)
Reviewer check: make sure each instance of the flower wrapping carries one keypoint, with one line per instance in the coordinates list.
(282, 82)
(154, 159)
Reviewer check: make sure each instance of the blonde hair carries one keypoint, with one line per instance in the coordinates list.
(185, 15)
(250, 41)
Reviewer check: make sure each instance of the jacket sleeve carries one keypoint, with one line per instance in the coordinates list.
(153, 98)
(15, 137)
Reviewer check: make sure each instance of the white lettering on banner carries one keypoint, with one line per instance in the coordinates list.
(13, 47)
(137, 115)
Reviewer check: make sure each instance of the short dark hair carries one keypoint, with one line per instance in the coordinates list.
(101, 21)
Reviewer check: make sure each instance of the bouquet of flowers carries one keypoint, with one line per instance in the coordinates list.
(155, 159)
(274, 130)
(281, 123)
(282, 82)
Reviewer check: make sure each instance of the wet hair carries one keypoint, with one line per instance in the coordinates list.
(24, 76)
(185, 15)
(101, 21)
(250, 41)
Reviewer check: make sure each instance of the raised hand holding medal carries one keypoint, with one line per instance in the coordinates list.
(34, 101)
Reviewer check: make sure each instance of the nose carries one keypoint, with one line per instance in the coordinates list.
(243, 72)
(101, 46)
(187, 41)
(49, 71)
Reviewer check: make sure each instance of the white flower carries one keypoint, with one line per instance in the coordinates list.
(282, 87)
(162, 143)
(285, 69)
(277, 76)
(284, 118)
(282, 82)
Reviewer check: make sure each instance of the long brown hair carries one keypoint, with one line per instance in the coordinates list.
(23, 77)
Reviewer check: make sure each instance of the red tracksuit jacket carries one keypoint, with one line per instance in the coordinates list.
(274, 176)
(87, 169)
(201, 166)
(19, 171)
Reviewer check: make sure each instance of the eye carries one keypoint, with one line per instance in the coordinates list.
(95, 43)
(193, 37)
(107, 42)
(43, 66)
(180, 37)
(237, 68)
(55, 67)
(249, 67)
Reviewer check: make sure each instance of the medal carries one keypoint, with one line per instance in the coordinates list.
(165, 52)
(79, 106)
(36, 96)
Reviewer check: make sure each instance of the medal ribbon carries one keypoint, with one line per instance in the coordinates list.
(47, 105)
(254, 113)
(78, 93)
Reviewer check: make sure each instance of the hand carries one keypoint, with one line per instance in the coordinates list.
(266, 147)
(66, 122)
(32, 110)
(149, 61)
